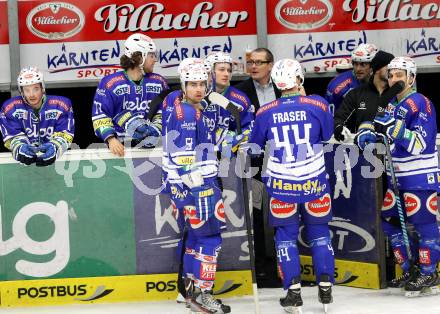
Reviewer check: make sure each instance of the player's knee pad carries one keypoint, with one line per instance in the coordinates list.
(287, 253)
(189, 254)
(429, 247)
(318, 237)
(205, 261)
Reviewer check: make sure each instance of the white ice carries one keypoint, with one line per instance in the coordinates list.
(346, 301)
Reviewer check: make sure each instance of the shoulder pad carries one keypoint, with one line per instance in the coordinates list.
(11, 103)
(267, 107)
(59, 101)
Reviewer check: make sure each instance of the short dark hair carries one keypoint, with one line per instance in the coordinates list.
(269, 54)
(131, 63)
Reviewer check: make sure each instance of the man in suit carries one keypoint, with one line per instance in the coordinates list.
(259, 87)
(260, 91)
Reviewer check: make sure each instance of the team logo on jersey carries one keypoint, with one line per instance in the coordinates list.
(121, 90)
(412, 203)
(319, 207)
(389, 200)
(280, 209)
(190, 213)
(220, 211)
(431, 204)
(303, 14)
(55, 20)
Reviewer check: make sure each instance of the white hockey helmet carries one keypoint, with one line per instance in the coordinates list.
(404, 63)
(191, 61)
(139, 43)
(285, 72)
(192, 71)
(364, 53)
(218, 57)
(30, 75)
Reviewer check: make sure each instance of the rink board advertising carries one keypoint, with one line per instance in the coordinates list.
(76, 40)
(322, 33)
(94, 217)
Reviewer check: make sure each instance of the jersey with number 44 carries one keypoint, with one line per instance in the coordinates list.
(294, 128)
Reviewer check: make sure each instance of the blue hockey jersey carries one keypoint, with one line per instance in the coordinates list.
(54, 120)
(118, 101)
(339, 87)
(414, 156)
(189, 138)
(294, 128)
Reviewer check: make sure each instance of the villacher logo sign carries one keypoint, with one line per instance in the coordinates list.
(303, 14)
(55, 20)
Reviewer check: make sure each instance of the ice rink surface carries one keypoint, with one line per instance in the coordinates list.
(346, 301)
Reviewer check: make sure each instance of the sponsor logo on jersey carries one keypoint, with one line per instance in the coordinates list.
(280, 209)
(240, 97)
(270, 105)
(401, 112)
(412, 105)
(114, 80)
(136, 105)
(52, 114)
(190, 126)
(12, 104)
(362, 105)
(153, 88)
(122, 89)
(101, 92)
(412, 203)
(59, 102)
(190, 213)
(398, 256)
(21, 114)
(220, 211)
(319, 207)
(425, 256)
(389, 200)
(55, 20)
(308, 187)
(428, 105)
(178, 193)
(303, 14)
(342, 85)
(207, 271)
(431, 204)
(314, 102)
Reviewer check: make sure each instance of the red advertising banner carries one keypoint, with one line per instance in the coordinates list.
(79, 20)
(299, 16)
(4, 36)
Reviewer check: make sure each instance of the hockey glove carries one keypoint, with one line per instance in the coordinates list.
(205, 198)
(192, 178)
(25, 153)
(48, 156)
(387, 125)
(341, 133)
(232, 142)
(365, 135)
(152, 137)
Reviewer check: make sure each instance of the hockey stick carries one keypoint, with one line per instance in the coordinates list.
(223, 102)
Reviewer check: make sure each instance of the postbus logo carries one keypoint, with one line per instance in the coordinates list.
(55, 20)
(303, 14)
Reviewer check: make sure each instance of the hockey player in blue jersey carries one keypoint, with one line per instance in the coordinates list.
(339, 86)
(410, 126)
(220, 78)
(192, 168)
(121, 104)
(36, 127)
(294, 127)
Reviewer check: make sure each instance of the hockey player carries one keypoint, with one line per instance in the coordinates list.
(192, 169)
(294, 126)
(410, 125)
(339, 86)
(36, 127)
(121, 103)
(220, 78)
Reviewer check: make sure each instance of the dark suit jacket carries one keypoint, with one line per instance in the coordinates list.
(248, 88)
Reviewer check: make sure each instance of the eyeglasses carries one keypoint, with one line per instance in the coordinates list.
(256, 62)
